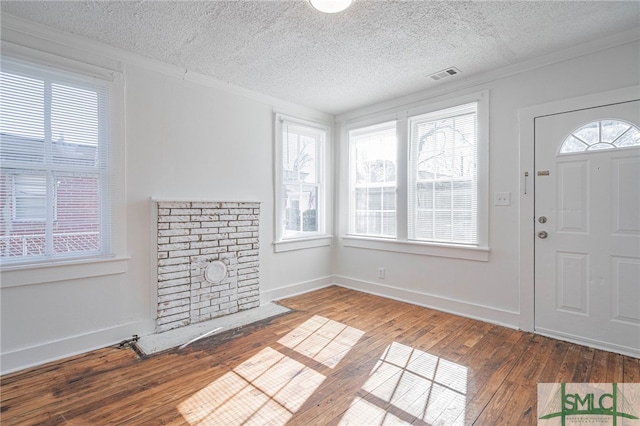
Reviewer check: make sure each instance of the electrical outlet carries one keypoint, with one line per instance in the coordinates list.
(502, 199)
(381, 273)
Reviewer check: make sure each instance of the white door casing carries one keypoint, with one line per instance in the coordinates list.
(587, 265)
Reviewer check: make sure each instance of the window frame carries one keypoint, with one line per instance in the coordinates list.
(302, 239)
(76, 75)
(402, 243)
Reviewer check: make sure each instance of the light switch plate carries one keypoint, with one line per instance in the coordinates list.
(502, 199)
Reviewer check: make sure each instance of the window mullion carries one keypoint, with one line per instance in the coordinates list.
(48, 162)
(402, 179)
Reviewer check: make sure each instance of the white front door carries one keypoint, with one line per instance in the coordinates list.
(587, 213)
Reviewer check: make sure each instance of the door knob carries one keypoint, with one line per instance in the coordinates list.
(542, 235)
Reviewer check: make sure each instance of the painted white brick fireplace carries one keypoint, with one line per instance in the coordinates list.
(208, 262)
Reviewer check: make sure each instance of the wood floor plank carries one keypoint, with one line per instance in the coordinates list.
(631, 370)
(341, 357)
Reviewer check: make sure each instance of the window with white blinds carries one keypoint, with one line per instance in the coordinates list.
(443, 179)
(55, 181)
(418, 179)
(373, 152)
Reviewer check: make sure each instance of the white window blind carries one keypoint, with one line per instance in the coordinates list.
(55, 181)
(443, 180)
(373, 158)
(302, 180)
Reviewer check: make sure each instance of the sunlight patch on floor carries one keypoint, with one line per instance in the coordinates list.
(323, 340)
(266, 389)
(407, 384)
(270, 387)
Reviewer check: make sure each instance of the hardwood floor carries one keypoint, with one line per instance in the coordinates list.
(342, 357)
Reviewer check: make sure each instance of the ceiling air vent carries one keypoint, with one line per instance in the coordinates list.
(445, 73)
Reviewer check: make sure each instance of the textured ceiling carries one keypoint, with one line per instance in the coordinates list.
(375, 50)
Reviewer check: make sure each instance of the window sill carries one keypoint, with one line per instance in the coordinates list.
(480, 254)
(22, 275)
(303, 243)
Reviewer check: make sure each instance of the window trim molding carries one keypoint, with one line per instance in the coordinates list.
(454, 251)
(18, 275)
(310, 239)
(303, 243)
(402, 243)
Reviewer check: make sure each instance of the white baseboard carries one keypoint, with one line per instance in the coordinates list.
(52, 351)
(295, 289)
(58, 349)
(452, 306)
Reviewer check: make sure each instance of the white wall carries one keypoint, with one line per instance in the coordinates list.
(183, 140)
(488, 290)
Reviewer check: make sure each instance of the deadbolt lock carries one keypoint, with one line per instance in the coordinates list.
(542, 219)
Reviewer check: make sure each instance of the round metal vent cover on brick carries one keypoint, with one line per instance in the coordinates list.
(216, 272)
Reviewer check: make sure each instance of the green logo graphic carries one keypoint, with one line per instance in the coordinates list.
(584, 403)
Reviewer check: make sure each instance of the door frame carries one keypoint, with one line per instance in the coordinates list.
(526, 118)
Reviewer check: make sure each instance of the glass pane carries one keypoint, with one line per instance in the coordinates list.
(299, 154)
(588, 133)
(463, 195)
(310, 220)
(446, 147)
(362, 172)
(389, 224)
(612, 129)
(301, 205)
(445, 170)
(292, 208)
(425, 195)
(375, 199)
(374, 225)
(631, 138)
(374, 159)
(74, 115)
(23, 224)
(361, 198)
(289, 156)
(77, 224)
(424, 225)
(22, 106)
(309, 208)
(377, 171)
(389, 199)
(389, 171)
(442, 227)
(572, 144)
(443, 195)
(362, 150)
(306, 160)
(463, 227)
(30, 197)
(361, 222)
